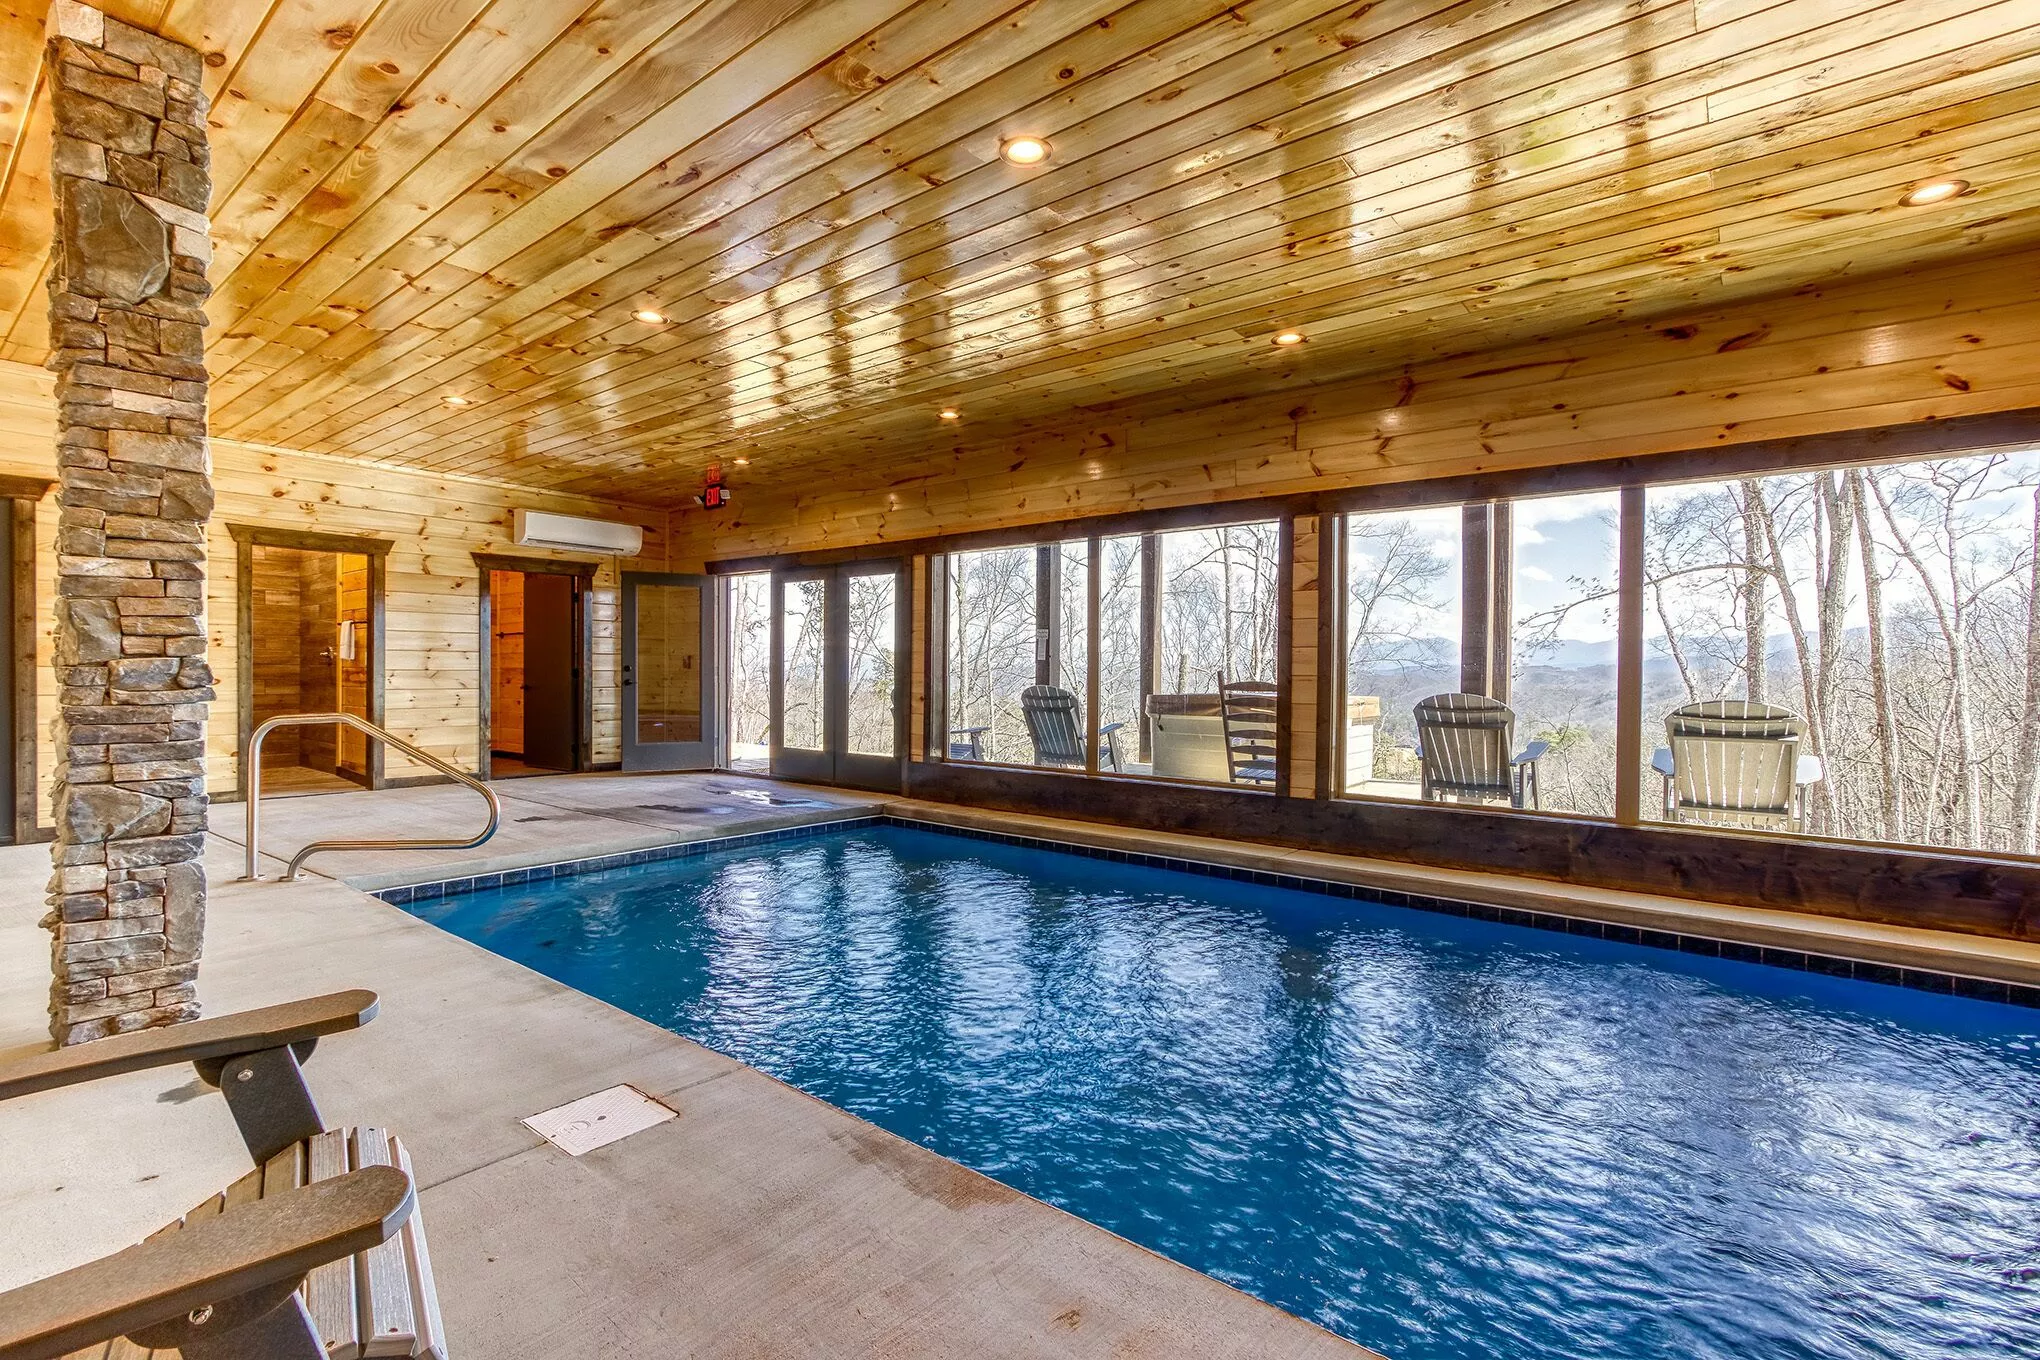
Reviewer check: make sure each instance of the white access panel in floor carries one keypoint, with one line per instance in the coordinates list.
(598, 1120)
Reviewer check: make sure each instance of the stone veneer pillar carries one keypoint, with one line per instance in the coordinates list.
(127, 284)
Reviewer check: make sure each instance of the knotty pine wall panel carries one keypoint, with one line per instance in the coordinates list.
(432, 662)
(1913, 346)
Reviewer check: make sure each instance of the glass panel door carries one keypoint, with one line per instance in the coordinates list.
(838, 712)
(801, 730)
(668, 689)
(869, 675)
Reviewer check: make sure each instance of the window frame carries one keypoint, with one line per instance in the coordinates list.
(1487, 494)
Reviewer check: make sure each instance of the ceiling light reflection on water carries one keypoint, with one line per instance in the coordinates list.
(1439, 1137)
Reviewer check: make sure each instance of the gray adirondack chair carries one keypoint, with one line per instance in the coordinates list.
(1734, 763)
(1058, 733)
(319, 1251)
(1247, 708)
(1464, 751)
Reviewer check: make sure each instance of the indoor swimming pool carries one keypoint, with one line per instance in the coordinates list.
(1441, 1137)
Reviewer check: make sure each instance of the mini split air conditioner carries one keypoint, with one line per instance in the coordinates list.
(537, 529)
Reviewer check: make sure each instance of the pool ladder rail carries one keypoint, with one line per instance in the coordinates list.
(374, 733)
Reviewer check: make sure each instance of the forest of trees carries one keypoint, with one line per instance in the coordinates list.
(873, 666)
(1218, 616)
(1893, 609)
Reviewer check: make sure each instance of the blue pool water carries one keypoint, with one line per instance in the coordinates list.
(1439, 1137)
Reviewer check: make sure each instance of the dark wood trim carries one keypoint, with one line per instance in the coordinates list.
(583, 626)
(1094, 571)
(1285, 649)
(541, 566)
(378, 640)
(1629, 660)
(1047, 613)
(26, 801)
(244, 661)
(935, 703)
(1842, 448)
(1476, 596)
(246, 539)
(1501, 550)
(1985, 896)
(309, 541)
(14, 487)
(1331, 643)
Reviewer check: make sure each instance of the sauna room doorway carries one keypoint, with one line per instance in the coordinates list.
(534, 666)
(310, 608)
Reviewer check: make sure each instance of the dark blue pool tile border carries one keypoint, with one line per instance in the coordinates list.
(1945, 984)
(654, 854)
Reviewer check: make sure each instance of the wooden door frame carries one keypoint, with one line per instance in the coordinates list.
(22, 495)
(584, 652)
(247, 538)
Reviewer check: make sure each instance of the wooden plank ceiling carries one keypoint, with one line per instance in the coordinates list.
(423, 199)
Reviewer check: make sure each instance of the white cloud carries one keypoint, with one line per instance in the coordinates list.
(1534, 573)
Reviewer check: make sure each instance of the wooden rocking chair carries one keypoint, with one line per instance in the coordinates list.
(317, 1253)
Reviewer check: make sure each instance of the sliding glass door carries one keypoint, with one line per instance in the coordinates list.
(838, 644)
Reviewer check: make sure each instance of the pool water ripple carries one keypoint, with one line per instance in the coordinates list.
(1443, 1138)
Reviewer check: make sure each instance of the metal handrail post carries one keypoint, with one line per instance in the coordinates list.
(376, 733)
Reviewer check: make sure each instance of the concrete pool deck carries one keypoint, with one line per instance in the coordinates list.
(761, 1222)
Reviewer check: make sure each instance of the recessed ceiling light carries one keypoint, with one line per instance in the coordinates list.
(950, 413)
(649, 317)
(452, 400)
(1024, 150)
(1933, 191)
(1288, 337)
(741, 462)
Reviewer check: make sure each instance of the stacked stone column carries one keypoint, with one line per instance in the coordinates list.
(127, 288)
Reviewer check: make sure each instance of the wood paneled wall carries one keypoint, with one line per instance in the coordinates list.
(1914, 346)
(432, 662)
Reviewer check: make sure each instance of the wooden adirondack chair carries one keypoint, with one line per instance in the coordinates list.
(1247, 708)
(317, 1253)
(1464, 745)
(1058, 735)
(1735, 763)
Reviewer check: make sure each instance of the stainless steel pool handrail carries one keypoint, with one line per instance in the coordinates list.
(374, 733)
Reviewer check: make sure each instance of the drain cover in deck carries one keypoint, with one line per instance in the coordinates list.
(596, 1121)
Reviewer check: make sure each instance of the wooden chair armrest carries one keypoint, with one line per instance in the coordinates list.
(272, 1241)
(1809, 770)
(1532, 753)
(1109, 728)
(954, 730)
(223, 1037)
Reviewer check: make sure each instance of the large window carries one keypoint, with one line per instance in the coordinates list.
(1562, 624)
(1403, 613)
(1122, 684)
(1182, 617)
(992, 646)
(1214, 628)
(872, 613)
(1848, 653)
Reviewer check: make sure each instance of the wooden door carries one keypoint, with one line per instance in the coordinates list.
(550, 680)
